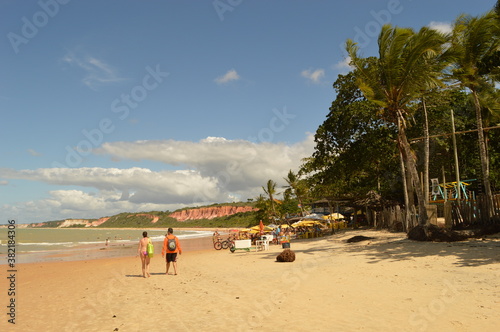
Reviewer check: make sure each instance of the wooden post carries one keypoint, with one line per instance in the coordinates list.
(432, 214)
(457, 168)
(447, 215)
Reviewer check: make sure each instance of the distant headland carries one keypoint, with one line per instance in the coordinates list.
(219, 215)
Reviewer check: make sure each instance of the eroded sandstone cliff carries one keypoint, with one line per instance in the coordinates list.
(85, 222)
(210, 212)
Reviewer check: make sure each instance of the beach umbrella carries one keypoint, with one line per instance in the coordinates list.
(265, 229)
(308, 222)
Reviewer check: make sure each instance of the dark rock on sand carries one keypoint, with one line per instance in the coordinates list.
(359, 238)
(286, 256)
(437, 234)
(434, 233)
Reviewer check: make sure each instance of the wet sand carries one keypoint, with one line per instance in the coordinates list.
(101, 250)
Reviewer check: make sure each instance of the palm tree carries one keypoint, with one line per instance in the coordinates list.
(297, 188)
(476, 39)
(409, 62)
(270, 190)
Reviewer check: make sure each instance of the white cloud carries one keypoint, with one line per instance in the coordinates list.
(148, 186)
(34, 153)
(343, 66)
(313, 76)
(441, 26)
(214, 170)
(231, 75)
(238, 164)
(75, 204)
(97, 72)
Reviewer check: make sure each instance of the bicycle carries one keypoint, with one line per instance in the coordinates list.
(223, 244)
(228, 244)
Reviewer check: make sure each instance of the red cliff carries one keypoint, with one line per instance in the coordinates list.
(210, 212)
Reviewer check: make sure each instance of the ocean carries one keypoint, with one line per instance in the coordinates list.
(57, 244)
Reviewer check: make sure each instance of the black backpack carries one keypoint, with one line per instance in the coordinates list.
(171, 244)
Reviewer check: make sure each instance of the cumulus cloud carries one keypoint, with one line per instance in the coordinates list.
(231, 75)
(237, 164)
(96, 71)
(212, 170)
(34, 153)
(441, 26)
(343, 66)
(76, 204)
(148, 186)
(313, 76)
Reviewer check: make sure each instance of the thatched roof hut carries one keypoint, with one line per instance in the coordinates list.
(374, 201)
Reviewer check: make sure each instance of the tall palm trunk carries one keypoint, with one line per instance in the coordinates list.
(411, 167)
(426, 152)
(405, 191)
(485, 168)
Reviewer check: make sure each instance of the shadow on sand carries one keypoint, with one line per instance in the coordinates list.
(386, 246)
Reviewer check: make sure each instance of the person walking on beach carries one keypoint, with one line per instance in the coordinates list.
(171, 247)
(143, 253)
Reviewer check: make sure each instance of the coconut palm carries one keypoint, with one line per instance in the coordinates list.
(475, 40)
(409, 62)
(297, 188)
(270, 190)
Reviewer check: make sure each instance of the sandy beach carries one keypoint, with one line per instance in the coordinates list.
(385, 284)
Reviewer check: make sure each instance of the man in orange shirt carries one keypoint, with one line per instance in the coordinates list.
(171, 247)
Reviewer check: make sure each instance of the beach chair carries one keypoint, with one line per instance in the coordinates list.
(266, 240)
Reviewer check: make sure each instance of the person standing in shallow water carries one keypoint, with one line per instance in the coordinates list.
(143, 253)
(171, 247)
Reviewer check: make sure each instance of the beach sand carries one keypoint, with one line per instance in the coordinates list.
(385, 284)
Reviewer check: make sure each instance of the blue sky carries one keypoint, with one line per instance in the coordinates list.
(114, 106)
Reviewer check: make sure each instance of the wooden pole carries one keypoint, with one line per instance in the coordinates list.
(445, 194)
(457, 168)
